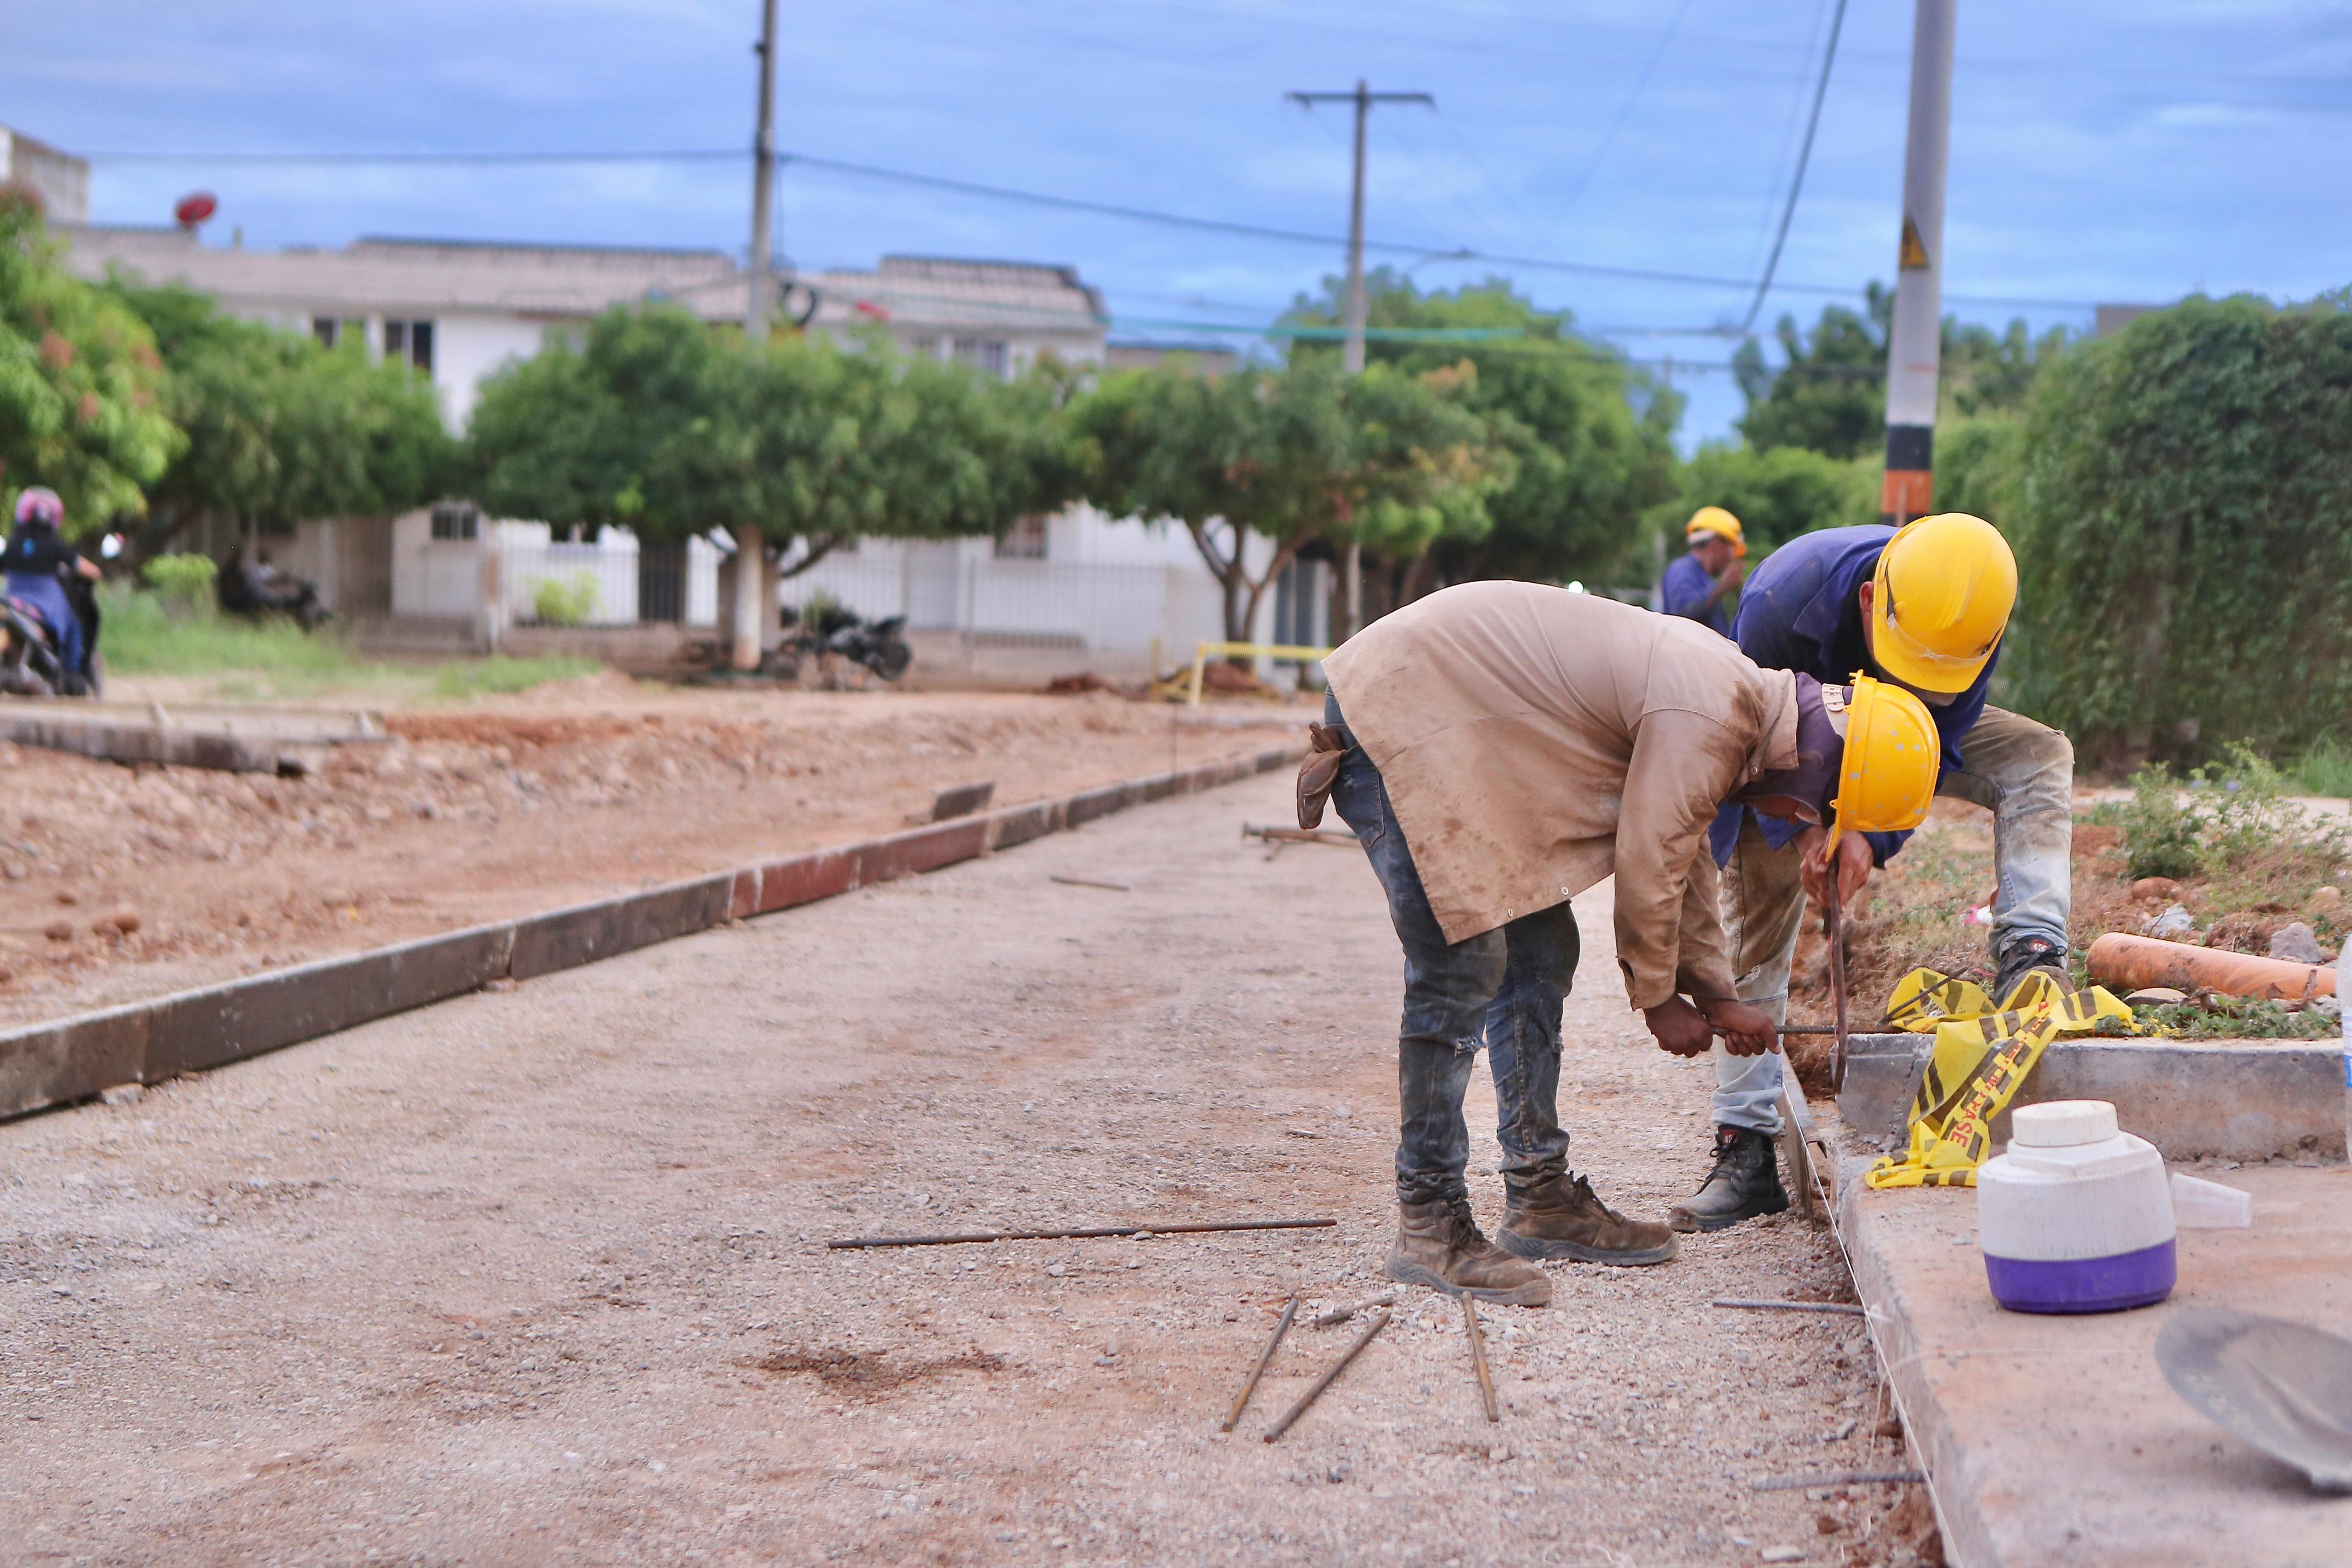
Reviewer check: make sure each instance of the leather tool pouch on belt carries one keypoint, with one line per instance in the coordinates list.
(1318, 771)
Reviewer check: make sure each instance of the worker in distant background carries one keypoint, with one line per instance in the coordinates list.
(38, 557)
(1696, 583)
(1501, 747)
(1924, 606)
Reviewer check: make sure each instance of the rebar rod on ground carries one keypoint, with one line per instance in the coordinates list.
(1177, 1228)
(1838, 1307)
(1838, 1479)
(1234, 1416)
(1324, 1381)
(1478, 1358)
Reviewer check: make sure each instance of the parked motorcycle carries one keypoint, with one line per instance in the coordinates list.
(261, 591)
(833, 632)
(30, 664)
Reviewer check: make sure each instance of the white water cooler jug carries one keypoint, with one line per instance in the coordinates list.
(2075, 1215)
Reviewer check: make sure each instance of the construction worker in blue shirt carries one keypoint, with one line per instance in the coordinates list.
(1696, 584)
(1925, 606)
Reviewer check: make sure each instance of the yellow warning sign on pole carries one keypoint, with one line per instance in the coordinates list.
(1915, 255)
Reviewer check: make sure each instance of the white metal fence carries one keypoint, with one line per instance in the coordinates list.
(1040, 603)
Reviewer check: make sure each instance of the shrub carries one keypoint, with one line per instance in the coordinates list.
(2219, 819)
(2184, 531)
(565, 601)
(183, 582)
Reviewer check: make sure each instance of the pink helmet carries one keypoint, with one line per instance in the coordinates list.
(41, 507)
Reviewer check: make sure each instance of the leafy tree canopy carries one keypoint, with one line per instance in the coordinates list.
(279, 428)
(81, 387)
(1829, 392)
(1390, 459)
(1588, 435)
(662, 423)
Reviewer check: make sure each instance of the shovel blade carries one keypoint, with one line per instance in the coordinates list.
(2283, 1387)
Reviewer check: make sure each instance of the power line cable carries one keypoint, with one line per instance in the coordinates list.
(1625, 109)
(1797, 181)
(1067, 204)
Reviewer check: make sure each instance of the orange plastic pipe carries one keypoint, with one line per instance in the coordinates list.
(2123, 963)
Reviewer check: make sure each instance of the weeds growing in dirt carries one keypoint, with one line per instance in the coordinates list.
(2324, 769)
(2218, 819)
(2236, 1018)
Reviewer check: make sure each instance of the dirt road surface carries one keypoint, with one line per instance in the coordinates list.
(538, 1276)
(505, 807)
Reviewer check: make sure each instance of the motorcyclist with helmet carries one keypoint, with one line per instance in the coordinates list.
(38, 559)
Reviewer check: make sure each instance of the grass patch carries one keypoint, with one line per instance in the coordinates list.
(140, 636)
(2324, 769)
(2228, 1018)
(256, 661)
(499, 676)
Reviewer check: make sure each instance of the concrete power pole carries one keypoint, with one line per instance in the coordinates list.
(751, 553)
(1351, 348)
(1915, 344)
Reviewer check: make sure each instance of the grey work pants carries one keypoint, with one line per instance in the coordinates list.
(2021, 771)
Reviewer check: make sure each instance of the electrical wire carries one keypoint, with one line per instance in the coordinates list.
(1797, 181)
(1074, 204)
(1625, 109)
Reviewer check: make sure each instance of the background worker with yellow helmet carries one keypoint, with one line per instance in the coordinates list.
(1923, 607)
(1695, 585)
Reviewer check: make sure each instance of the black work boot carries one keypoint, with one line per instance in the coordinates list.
(1438, 1245)
(1560, 1217)
(2023, 957)
(1745, 1182)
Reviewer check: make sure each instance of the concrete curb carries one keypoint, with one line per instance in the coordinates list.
(2238, 1099)
(55, 1063)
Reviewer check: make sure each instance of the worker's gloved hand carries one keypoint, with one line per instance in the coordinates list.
(1853, 866)
(1746, 1029)
(1681, 1029)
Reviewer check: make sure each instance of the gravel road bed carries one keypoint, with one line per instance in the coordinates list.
(536, 1276)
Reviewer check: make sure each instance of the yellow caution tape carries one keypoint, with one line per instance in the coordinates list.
(1980, 1057)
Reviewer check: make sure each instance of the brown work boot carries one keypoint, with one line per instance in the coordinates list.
(1559, 1217)
(1440, 1246)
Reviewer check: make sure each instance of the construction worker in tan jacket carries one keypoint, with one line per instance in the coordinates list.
(1498, 748)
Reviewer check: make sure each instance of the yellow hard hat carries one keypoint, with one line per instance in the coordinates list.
(1715, 520)
(1887, 778)
(1941, 600)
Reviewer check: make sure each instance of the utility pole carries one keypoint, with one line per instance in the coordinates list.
(751, 549)
(1351, 348)
(1915, 342)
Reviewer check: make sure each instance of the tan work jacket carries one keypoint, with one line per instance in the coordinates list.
(1535, 741)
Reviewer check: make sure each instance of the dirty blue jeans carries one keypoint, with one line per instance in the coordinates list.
(2021, 771)
(1503, 989)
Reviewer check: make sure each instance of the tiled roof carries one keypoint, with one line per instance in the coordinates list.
(427, 276)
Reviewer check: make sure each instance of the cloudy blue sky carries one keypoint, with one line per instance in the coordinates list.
(2103, 150)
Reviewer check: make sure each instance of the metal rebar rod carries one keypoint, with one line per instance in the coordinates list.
(1338, 1315)
(1090, 881)
(1838, 1479)
(1838, 1307)
(1324, 1381)
(1478, 1358)
(1148, 1228)
(1234, 1416)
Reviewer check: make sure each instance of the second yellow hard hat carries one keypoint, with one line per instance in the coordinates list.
(1887, 778)
(1940, 601)
(1715, 520)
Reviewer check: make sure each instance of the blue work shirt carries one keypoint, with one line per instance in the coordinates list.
(1683, 592)
(1800, 612)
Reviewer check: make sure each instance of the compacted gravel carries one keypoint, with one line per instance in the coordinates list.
(539, 1275)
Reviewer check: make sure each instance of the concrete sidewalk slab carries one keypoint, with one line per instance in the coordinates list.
(2055, 1442)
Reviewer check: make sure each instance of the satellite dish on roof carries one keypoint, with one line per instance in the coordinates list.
(193, 209)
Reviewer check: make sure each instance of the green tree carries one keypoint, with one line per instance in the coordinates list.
(661, 423)
(80, 384)
(1588, 435)
(1387, 459)
(1776, 494)
(2183, 529)
(1829, 392)
(281, 429)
